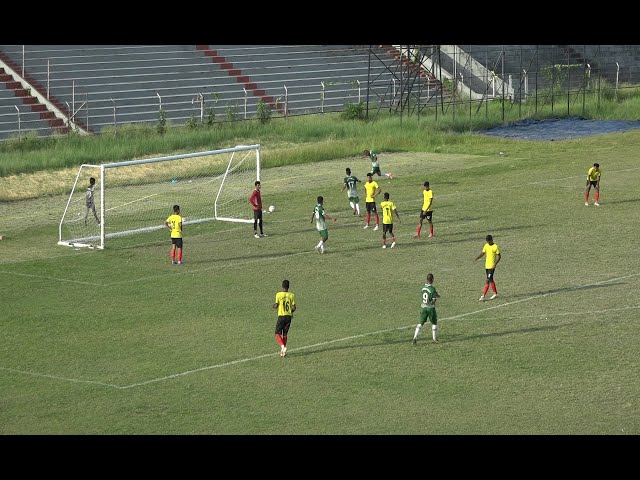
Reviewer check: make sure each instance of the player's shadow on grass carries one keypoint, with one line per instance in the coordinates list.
(459, 220)
(462, 338)
(613, 202)
(565, 290)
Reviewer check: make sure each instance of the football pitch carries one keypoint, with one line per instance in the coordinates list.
(119, 341)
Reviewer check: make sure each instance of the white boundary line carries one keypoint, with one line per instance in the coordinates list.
(55, 377)
(44, 277)
(329, 342)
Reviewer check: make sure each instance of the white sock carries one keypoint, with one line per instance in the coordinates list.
(434, 332)
(358, 208)
(417, 332)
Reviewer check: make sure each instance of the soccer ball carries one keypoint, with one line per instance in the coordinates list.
(272, 208)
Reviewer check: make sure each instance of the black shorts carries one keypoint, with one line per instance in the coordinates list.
(283, 324)
(490, 272)
(177, 242)
(387, 228)
(594, 183)
(257, 214)
(426, 215)
(371, 207)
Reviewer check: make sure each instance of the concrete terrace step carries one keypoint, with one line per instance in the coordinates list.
(133, 76)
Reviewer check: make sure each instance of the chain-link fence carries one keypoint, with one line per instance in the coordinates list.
(507, 82)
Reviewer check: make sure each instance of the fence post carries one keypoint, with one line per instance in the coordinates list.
(393, 98)
(19, 130)
(322, 98)
(245, 102)
(68, 119)
(115, 125)
(286, 101)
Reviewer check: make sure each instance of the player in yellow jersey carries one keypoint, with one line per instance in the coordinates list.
(593, 180)
(174, 223)
(286, 305)
(492, 252)
(388, 208)
(372, 189)
(426, 211)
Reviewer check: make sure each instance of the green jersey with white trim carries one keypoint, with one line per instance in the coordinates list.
(428, 296)
(321, 223)
(352, 185)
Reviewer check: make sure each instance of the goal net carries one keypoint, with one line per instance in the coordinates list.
(137, 196)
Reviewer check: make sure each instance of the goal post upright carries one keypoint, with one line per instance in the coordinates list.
(67, 206)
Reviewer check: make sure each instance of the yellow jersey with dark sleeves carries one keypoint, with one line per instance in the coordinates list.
(387, 207)
(490, 252)
(593, 175)
(176, 229)
(370, 188)
(285, 301)
(427, 200)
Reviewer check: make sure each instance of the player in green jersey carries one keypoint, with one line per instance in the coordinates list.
(375, 164)
(321, 217)
(351, 184)
(428, 310)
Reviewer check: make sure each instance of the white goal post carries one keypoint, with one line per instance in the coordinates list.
(137, 196)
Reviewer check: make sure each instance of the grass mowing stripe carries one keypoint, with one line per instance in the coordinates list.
(344, 339)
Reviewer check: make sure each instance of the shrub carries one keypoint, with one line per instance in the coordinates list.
(354, 111)
(264, 111)
(231, 112)
(162, 121)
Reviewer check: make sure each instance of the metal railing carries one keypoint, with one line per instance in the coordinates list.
(461, 80)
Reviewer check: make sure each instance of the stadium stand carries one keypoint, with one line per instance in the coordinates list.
(107, 85)
(93, 87)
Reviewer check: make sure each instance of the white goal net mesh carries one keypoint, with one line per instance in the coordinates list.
(137, 196)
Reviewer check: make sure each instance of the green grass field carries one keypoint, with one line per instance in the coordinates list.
(121, 342)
